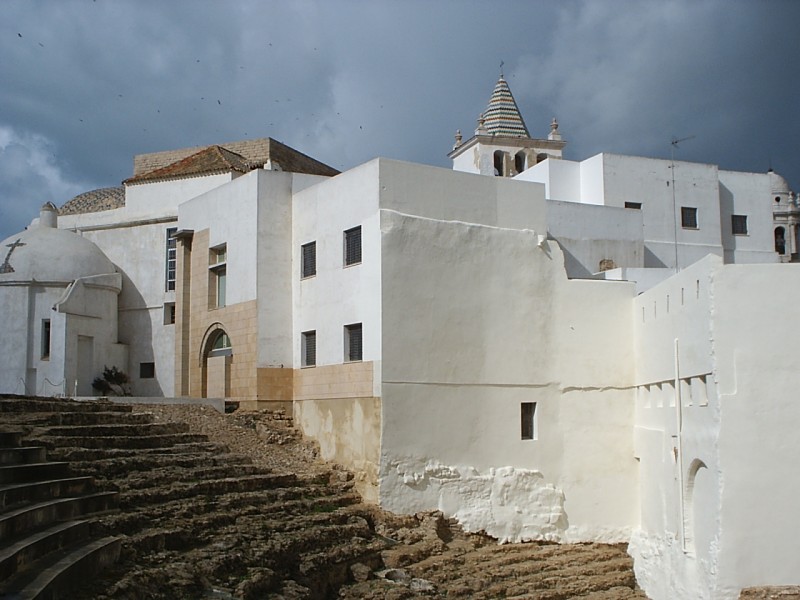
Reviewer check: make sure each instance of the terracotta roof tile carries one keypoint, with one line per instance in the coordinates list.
(94, 201)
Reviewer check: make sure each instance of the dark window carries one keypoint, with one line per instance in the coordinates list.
(309, 349)
(147, 370)
(308, 259)
(634, 205)
(352, 246)
(352, 342)
(780, 240)
(739, 224)
(171, 258)
(45, 338)
(169, 313)
(528, 420)
(688, 217)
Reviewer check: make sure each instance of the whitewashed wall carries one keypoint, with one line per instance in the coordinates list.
(478, 319)
(717, 485)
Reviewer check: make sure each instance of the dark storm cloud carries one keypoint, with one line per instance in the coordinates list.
(91, 83)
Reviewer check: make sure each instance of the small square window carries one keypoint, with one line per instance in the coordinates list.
(353, 348)
(688, 217)
(739, 224)
(634, 205)
(352, 246)
(308, 348)
(308, 259)
(147, 370)
(528, 420)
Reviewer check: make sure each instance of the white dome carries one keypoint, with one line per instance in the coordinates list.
(778, 184)
(49, 254)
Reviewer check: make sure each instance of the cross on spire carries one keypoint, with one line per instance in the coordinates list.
(6, 266)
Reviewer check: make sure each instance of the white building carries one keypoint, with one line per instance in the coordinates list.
(543, 348)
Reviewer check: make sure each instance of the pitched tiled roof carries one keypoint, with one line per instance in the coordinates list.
(94, 201)
(211, 160)
(502, 116)
(255, 152)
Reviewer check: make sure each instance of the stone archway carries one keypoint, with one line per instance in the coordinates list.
(215, 362)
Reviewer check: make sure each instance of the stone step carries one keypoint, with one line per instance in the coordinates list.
(116, 430)
(18, 556)
(127, 442)
(65, 570)
(15, 522)
(23, 455)
(39, 491)
(165, 476)
(33, 472)
(211, 487)
(75, 454)
(63, 418)
(44, 405)
(10, 439)
(288, 509)
(126, 466)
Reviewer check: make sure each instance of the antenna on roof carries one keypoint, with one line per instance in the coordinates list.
(674, 144)
(501, 67)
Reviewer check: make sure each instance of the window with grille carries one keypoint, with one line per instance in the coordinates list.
(308, 259)
(688, 217)
(172, 248)
(528, 420)
(739, 224)
(353, 347)
(308, 348)
(352, 246)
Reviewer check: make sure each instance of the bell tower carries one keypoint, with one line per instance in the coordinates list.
(502, 145)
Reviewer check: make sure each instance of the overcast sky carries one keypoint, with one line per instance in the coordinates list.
(86, 84)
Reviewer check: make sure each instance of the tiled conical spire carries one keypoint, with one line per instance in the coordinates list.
(502, 117)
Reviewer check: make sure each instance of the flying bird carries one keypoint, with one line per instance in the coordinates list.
(19, 34)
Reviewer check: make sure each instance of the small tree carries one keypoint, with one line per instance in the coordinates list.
(113, 383)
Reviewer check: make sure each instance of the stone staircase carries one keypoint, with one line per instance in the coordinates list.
(189, 519)
(47, 542)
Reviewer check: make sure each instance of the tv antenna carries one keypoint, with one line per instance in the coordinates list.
(674, 144)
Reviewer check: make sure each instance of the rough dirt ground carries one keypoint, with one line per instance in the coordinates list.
(428, 556)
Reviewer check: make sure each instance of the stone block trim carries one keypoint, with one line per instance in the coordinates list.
(349, 380)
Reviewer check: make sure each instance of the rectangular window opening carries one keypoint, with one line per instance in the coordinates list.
(634, 205)
(739, 224)
(217, 276)
(352, 246)
(528, 420)
(45, 339)
(147, 370)
(308, 348)
(169, 313)
(353, 347)
(688, 217)
(172, 248)
(308, 259)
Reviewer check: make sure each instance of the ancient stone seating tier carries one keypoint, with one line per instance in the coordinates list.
(47, 542)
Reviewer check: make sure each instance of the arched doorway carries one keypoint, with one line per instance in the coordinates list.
(217, 355)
